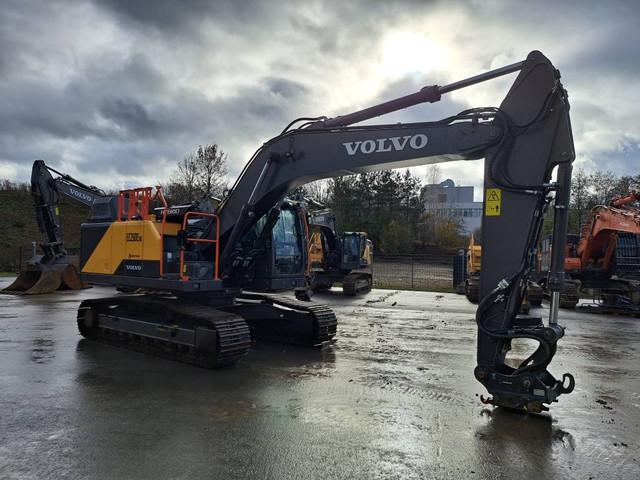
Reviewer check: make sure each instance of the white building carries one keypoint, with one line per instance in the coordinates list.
(446, 200)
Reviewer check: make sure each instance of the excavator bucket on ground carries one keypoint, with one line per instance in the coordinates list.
(41, 278)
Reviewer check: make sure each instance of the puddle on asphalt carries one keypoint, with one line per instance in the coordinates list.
(233, 410)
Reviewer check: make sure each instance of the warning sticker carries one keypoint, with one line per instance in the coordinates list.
(493, 202)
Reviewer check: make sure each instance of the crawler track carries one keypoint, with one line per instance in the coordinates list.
(356, 284)
(178, 330)
(282, 318)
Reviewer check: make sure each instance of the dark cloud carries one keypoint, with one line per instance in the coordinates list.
(129, 114)
(285, 88)
(172, 16)
(118, 90)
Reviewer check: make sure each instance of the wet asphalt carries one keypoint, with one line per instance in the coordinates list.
(393, 397)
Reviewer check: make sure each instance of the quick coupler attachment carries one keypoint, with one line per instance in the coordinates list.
(529, 386)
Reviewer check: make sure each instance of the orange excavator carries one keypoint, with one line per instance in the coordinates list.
(607, 257)
(609, 253)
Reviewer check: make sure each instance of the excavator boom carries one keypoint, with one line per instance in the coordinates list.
(522, 142)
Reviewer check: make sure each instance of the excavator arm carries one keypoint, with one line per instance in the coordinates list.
(522, 142)
(54, 269)
(625, 199)
(46, 191)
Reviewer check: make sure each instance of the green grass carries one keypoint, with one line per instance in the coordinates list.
(19, 227)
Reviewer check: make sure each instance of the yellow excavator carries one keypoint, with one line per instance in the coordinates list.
(534, 293)
(197, 259)
(345, 258)
(474, 261)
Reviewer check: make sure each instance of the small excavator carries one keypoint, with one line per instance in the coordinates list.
(54, 269)
(307, 236)
(197, 261)
(345, 258)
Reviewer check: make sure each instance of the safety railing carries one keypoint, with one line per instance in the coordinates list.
(136, 201)
(201, 240)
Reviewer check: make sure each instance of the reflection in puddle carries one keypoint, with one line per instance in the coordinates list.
(533, 438)
(42, 350)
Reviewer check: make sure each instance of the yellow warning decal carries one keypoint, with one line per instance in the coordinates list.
(493, 202)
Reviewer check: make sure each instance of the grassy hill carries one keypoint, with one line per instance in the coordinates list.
(19, 227)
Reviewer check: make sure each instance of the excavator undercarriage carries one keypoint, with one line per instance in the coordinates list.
(184, 331)
(203, 335)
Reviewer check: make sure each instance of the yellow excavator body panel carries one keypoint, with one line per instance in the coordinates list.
(131, 240)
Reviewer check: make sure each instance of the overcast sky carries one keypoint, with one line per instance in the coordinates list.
(118, 91)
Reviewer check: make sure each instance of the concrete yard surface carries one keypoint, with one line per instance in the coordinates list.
(393, 397)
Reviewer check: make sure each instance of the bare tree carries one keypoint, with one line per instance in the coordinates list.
(211, 168)
(199, 174)
(434, 175)
(8, 185)
(318, 190)
(183, 182)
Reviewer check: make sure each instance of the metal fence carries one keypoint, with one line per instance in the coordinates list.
(407, 272)
(414, 272)
(13, 259)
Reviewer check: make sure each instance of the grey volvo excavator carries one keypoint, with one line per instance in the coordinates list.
(201, 259)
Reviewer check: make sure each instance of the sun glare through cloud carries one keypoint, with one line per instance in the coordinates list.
(408, 52)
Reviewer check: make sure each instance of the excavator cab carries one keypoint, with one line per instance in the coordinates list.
(356, 250)
(283, 258)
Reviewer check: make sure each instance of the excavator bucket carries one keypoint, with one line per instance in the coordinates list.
(71, 279)
(46, 280)
(49, 281)
(24, 282)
